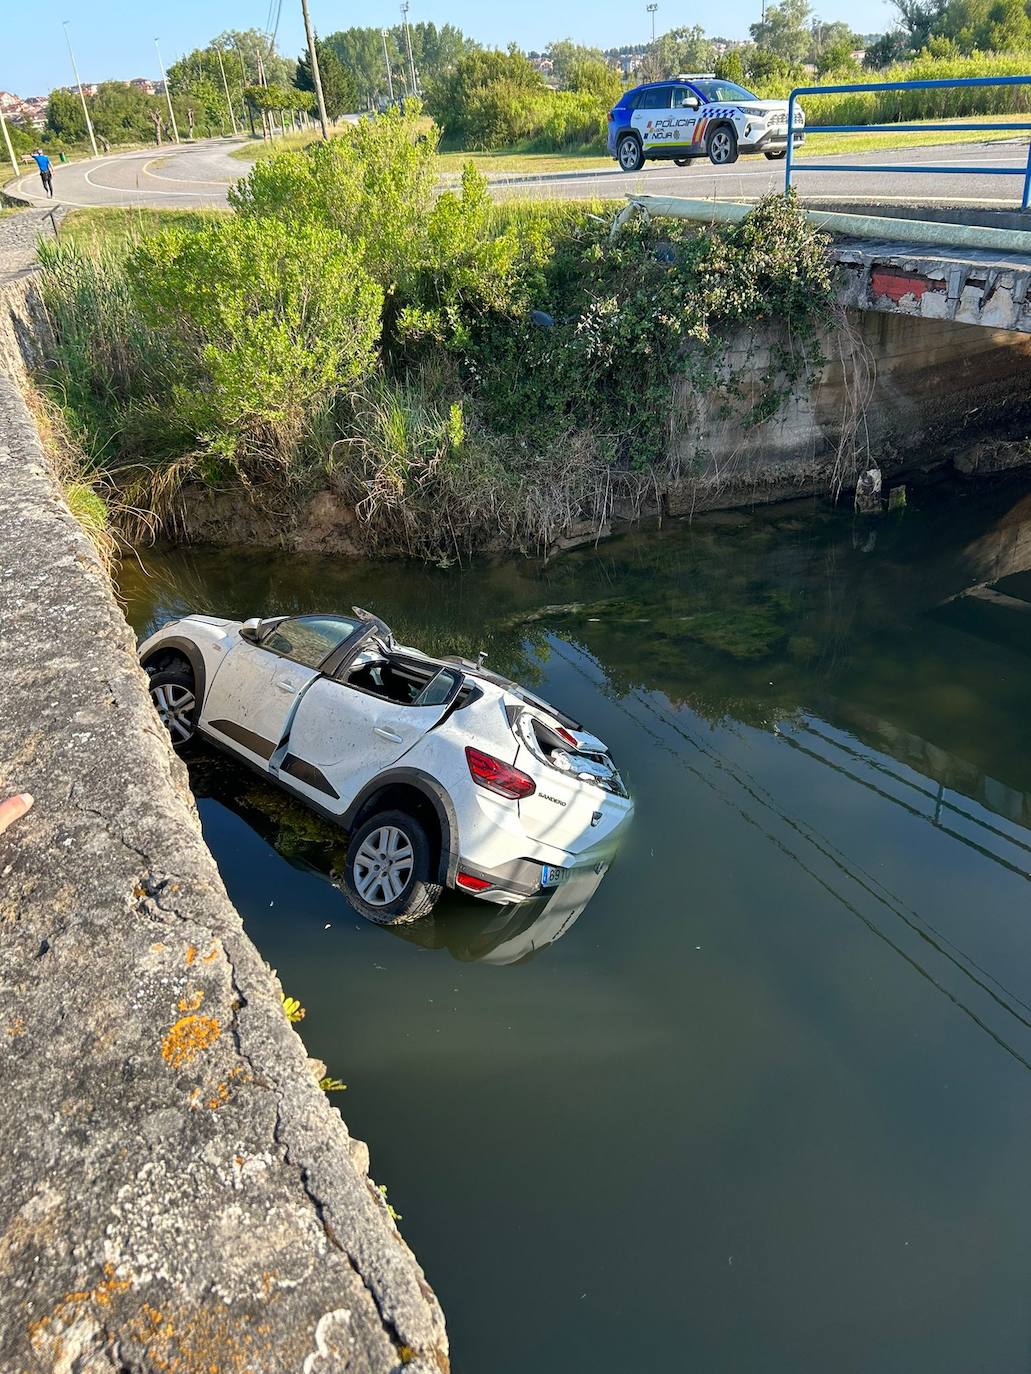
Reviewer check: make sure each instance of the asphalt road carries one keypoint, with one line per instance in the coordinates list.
(200, 174)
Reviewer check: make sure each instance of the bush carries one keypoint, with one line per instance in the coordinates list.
(434, 256)
(265, 323)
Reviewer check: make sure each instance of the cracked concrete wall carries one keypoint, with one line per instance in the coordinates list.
(177, 1193)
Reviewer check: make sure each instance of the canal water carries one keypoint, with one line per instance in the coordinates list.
(762, 1102)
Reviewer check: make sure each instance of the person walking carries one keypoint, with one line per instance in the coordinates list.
(46, 172)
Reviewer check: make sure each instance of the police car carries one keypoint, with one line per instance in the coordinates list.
(697, 116)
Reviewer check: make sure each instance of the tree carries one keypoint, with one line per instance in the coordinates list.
(64, 116)
(679, 50)
(338, 86)
(921, 19)
(729, 67)
(565, 54)
(786, 31)
(361, 53)
(887, 48)
(487, 100)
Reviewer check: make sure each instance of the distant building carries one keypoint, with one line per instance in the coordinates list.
(144, 83)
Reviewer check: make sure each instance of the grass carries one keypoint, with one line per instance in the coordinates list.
(491, 163)
(823, 144)
(256, 148)
(117, 225)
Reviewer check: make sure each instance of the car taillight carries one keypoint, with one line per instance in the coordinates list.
(496, 776)
(472, 883)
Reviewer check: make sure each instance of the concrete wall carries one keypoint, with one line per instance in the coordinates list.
(176, 1193)
(898, 391)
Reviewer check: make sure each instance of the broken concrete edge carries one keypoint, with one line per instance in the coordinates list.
(177, 1190)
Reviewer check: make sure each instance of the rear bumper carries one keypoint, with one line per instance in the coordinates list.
(520, 880)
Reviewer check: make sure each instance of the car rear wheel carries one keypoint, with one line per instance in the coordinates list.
(175, 701)
(682, 161)
(630, 154)
(776, 156)
(388, 871)
(721, 145)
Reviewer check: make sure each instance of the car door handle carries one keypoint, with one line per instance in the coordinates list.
(387, 734)
(287, 687)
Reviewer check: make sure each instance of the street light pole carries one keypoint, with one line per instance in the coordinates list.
(75, 72)
(313, 62)
(386, 59)
(7, 140)
(168, 93)
(225, 83)
(651, 10)
(408, 41)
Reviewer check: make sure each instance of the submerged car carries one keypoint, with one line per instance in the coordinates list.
(697, 115)
(444, 773)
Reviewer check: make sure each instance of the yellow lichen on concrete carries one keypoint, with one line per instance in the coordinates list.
(187, 1038)
(190, 1001)
(45, 1332)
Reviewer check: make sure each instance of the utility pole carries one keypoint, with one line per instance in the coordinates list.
(408, 41)
(386, 59)
(75, 72)
(229, 100)
(7, 140)
(168, 93)
(651, 10)
(313, 63)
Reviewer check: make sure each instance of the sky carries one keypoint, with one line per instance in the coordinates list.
(115, 41)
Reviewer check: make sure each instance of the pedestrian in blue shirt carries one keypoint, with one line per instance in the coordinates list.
(46, 174)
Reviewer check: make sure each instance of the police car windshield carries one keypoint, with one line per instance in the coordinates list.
(722, 92)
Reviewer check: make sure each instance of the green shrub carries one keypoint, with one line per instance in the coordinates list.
(435, 257)
(266, 323)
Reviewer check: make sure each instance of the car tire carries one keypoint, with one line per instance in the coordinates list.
(403, 888)
(721, 145)
(174, 696)
(775, 157)
(682, 161)
(629, 153)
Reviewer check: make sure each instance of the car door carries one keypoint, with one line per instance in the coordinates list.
(651, 117)
(342, 737)
(256, 689)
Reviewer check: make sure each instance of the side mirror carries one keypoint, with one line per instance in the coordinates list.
(249, 629)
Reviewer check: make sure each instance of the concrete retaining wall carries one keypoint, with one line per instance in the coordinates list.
(177, 1193)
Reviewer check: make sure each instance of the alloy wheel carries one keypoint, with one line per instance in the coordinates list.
(175, 706)
(720, 147)
(383, 865)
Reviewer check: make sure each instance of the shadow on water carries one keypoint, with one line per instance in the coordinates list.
(760, 1100)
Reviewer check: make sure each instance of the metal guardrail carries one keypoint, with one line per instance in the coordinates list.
(921, 169)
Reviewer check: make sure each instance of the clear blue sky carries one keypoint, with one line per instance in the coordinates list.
(114, 40)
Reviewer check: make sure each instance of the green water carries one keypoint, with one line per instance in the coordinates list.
(764, 1104)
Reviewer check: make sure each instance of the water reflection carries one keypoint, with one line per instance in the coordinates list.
(470, 931)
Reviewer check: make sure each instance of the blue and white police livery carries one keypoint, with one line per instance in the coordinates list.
(697, 116)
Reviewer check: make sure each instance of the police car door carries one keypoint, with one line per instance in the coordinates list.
(651, 118)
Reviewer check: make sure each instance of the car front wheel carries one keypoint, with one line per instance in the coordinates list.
(388, 873)
(630, 154)
(175, 701)
(721, 145)
(682, 162)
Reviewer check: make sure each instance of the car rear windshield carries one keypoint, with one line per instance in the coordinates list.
(722, 92)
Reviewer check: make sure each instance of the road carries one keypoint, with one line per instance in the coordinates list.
(200, 174)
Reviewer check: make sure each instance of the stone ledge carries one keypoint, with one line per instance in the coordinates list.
(178, 1194)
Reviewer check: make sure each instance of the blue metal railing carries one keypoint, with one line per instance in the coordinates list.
(919, 168)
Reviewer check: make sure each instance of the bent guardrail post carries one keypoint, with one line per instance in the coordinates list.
(918, 169)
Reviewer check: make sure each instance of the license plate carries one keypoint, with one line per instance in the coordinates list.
(552, 876)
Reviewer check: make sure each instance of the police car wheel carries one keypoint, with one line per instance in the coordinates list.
(775, 157)
(681, 162)
(630, 154)
(721, 145)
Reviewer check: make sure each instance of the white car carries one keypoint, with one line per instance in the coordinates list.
(443, 773)
(697, 115)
